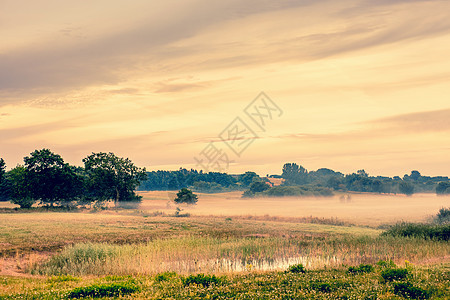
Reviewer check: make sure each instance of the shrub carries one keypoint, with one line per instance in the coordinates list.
(299, 268)
(104, 290)
(362, 268)
(205, 280)
(443, 216)
(386, 264)
(164, 276)
(443, 188)
(323, 287)
(62, 278)
(394, 274)
(409, 291)
(186, 196)
(438, 232)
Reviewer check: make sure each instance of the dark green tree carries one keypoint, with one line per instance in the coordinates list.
(258, 187)
(295, 174)
(406, 188)
(186, 196)
(3, 192)
(112, 177)
(247, 178)
(443, 188)
(51, 180)
(19, 188)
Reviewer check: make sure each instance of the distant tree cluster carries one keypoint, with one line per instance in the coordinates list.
(46, 178)
(212, 182)
(362, 182)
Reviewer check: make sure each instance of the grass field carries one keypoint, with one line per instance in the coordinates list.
(52, 255)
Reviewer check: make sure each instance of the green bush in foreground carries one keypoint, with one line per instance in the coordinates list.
(201, 279)
(104, 290)
(362, 268)
(422, 283)
(409, 291)
(437, 232)
(296, 269)
(394, 274)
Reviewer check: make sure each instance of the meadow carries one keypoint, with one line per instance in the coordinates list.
(244, 246)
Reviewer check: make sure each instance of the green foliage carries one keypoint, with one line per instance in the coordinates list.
(443, 216)
(394, 274)
(165, 276)
(386, 264)
(112, 177)
(406, 188)
(50, 179)
(323, 287)
(3, 186)
(362, 268)
(62, 278)
(295, 174)
(201, 279)
(280, 191)
(186, 196)
(409, 291)
(208, 187)
(299, 268)
(114, 289)
(19, 188)
(443, 188)
(428, 231)
(248, 178)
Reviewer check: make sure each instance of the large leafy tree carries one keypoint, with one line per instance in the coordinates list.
(294, 173)
(3, 194)
(112, 177)
(19, 187)
(52, 180)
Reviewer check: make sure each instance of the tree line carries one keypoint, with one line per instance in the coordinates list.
(321, 182)
(45, 178)
(206, 182)
(360, 181)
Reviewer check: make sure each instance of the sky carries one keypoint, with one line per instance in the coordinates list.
(347, 85)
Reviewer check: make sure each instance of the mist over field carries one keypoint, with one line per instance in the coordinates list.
(356, 208)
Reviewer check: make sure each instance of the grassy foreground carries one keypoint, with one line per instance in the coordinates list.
(133, 254)
(366, 282)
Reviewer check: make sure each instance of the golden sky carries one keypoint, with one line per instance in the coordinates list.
(361, 84)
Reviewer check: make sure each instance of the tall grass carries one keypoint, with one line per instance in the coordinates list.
(207, 254)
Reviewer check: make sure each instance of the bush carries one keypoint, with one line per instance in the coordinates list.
(394, 274)
(323, 287)
(186, 196)
(409, 291)
(104, 290)
(438, 232)
(386, 264)
(281, 191)
(443, 216)
(165, 276)
(362, 268)
(201, 279)
(296, 269)
(443, 188)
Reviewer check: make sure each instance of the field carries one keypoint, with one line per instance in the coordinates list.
(245, 246)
